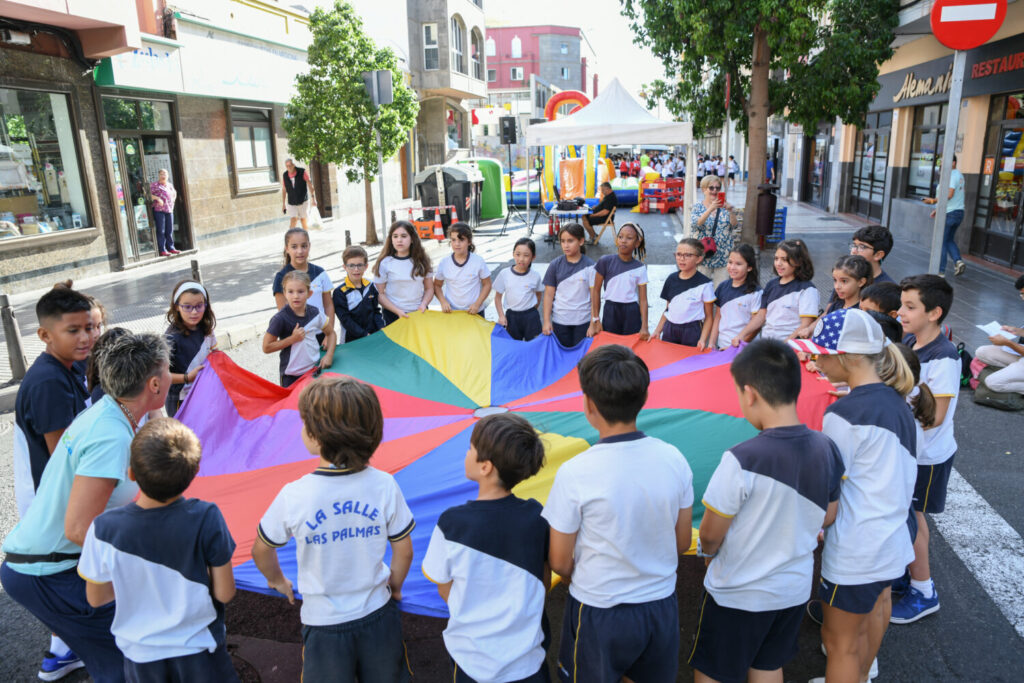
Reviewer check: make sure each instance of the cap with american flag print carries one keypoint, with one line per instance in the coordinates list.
(848, 330)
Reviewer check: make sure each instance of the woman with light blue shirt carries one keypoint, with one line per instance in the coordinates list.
(86, 475)
(954, 217)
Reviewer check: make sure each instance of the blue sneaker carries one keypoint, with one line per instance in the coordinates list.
(56, 667)
(913, 605)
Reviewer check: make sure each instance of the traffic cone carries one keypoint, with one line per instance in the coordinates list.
(455, 214)
(438, 228)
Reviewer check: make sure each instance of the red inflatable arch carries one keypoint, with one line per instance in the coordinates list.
(565, 97)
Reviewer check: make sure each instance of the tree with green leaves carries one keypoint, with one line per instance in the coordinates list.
(807, 60)
(331, 118)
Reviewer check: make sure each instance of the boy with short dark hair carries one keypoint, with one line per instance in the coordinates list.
(343, 515)
(356, 300)
(163, 547)
(52, 393)
(926, 302)
(495, 540)
(787, 477)
(883, 297)
(620, 515)
(874, 243)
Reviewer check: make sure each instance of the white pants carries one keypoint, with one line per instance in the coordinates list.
(1011, 377)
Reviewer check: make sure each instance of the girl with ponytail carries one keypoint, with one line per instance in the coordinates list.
(868, 545)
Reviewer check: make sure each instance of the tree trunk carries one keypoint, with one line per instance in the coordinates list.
(371, 224)
(758, 106)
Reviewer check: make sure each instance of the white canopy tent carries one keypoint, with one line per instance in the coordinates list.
(614, 117)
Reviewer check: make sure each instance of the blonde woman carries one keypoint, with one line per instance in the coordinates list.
(163, 195)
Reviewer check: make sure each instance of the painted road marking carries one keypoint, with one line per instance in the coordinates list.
(979, 12)
(987, 544)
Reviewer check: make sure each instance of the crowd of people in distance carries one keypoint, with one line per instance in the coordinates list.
(671, 165)
(131, 577)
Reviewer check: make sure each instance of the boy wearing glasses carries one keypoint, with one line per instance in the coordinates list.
(873, 242)
(356, 300)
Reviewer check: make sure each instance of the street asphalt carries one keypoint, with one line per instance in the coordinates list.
(978, 635)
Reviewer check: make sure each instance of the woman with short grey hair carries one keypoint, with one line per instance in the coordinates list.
(86, 475)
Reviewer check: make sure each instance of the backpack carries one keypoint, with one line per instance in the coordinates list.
(966, 374)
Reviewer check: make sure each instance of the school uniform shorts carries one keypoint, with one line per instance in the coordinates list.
(523, 325)
(729, 642)
(930, 487)
(58, 601)
(367, 649)
(639, 641)
(855, 599)
(542, 675)
(687, 334)
(202, 667)
(621, 318)
(570, 335)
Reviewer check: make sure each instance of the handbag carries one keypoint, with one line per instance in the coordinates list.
(710, 245)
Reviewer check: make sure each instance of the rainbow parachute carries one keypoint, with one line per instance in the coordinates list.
(432, 372)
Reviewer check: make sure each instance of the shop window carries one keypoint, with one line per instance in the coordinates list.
(926, 150)
(253, 146)
(430, 50)
(41, 187)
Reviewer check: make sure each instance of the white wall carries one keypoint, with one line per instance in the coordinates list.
(386, 21)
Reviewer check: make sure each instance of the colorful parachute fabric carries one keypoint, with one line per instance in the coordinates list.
(431, 372)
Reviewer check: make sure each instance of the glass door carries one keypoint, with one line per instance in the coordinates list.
(998, 233)
(131, 189)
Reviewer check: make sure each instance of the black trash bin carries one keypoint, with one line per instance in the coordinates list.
(457, 185)
(767, 200)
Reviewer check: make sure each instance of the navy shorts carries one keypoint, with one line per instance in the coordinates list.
(930, 488)
(288, 380)
(729, 642)
(687, 334)
(621, 318)
(58, 601)
(523, 325)
(367, 649)
(856, 599)
(570, 335)
(542, 675)
(202, 667)
(389, 317)
(639, 641)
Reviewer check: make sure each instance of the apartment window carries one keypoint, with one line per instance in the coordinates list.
(490, 48)
(41, 187)
(517, 48)
(564, 47)
(430, 53)
(475, 58)
(253, 147)
(926, 149)
(458, 40)
(565, 73)
(492, 75)
(516, 73)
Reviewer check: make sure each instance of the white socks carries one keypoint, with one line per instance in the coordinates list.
(927, 587)
(58, 646)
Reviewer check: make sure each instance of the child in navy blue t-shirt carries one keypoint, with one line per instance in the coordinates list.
(164, 545)
(690, 296)
(293, 332)
(495, 540)
(190, 323)
(356, 301)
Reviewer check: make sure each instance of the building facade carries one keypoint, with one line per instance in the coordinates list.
(886, 166)
(447, 66)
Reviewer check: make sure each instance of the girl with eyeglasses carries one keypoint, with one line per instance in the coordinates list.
(190, 337)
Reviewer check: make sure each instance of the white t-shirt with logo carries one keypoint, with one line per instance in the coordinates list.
(342, 522)
(462, 282)
(622, 498)
(401, 287)
(518, 290)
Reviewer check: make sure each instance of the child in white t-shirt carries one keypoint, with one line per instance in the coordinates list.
(736, 299)
(495, 540)
(518, 292)
(463, 280)
(620, 515)
(689, 297)
(791, 299)
(403, 274)
(343, 516)
(623, 276)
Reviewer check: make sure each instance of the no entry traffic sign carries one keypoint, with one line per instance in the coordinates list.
(966, 24)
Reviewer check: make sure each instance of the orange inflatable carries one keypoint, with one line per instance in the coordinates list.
(565, 97)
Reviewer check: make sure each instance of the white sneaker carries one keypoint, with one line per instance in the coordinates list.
(872, 674)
